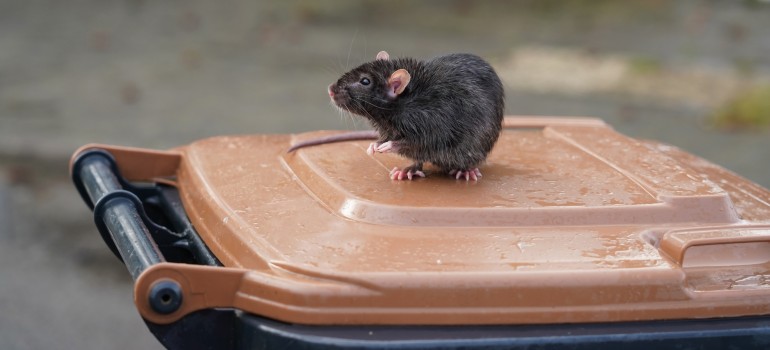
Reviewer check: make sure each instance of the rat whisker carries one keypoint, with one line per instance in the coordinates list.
(340, 111)
(353, 118)
(344, 114)
(339, 65)
(350, 48)
(371, 104)
(329, 68)
(361, 106)
(337, 109)
(348, 116)
(365, 55)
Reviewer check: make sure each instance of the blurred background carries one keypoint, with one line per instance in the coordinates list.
(157, 74)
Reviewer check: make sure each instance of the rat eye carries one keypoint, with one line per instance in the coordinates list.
(365, 81)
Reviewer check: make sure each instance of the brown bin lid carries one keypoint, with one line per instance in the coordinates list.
(572, 222)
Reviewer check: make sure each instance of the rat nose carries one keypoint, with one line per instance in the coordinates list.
(331, 92)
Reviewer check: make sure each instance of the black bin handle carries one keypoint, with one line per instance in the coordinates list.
(117, 212)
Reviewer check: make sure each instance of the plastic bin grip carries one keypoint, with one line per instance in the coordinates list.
(117, 211)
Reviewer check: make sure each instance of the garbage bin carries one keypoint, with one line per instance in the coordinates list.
(577, 237)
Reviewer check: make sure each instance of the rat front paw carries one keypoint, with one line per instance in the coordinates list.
(387, 147)
(372, 148)
(408, 173)
(469, 174)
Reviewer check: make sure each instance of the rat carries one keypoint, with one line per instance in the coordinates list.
(447, 111)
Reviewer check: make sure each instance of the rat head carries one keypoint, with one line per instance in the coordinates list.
(371, 89)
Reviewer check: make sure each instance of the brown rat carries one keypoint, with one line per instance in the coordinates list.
(447, 111)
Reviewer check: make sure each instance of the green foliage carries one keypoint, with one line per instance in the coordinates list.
(747, 110)
(645, 65)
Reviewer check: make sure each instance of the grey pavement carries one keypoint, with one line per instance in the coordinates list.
(161, 74)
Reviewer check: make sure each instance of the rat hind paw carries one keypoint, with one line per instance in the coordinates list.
(469, 174)
(407, 173)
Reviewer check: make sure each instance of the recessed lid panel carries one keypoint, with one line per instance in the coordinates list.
(561, 174)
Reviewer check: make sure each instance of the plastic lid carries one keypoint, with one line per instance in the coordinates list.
(571, 222)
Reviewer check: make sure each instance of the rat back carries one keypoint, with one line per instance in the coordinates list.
(452, 112)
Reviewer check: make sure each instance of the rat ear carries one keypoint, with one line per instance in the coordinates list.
(398, 82)
(382, 55)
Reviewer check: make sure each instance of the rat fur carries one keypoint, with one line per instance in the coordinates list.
(447, 111)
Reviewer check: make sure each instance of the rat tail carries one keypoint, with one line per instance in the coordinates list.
(341, 137)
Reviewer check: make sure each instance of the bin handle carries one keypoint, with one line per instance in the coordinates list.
(119, 214)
